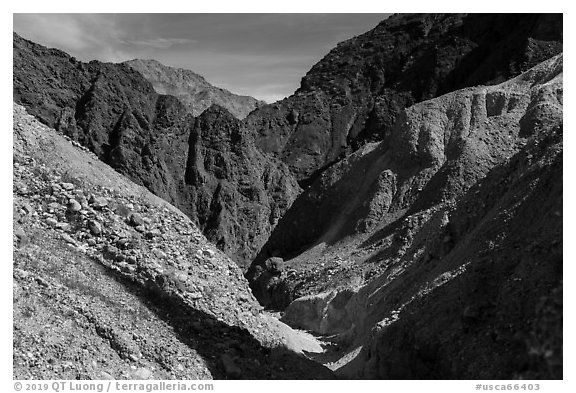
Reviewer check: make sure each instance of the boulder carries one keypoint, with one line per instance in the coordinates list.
(274, 265)
(74, 206)
(95, 227)
(135, 219)
(98, 202)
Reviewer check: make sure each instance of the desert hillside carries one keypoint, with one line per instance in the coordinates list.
(430, 260)
(111, 282)
(400, 216)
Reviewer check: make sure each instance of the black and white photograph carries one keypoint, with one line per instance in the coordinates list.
(287, 196)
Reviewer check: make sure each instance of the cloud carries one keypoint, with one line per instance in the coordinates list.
(162, 43)
(85, 36)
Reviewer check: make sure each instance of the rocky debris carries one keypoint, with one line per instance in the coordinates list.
(192, 89)
(135, 220)
(94, 227)
(208, 253)
(98, 202)
(21, 237)
(355, 93)
(74, 206)
(324, 313)
(51, 221)
(63, 226)
(142, 374)
(123, 303)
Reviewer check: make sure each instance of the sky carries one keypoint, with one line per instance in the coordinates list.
(261, 55)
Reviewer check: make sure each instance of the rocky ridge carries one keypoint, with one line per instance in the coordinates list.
(354, 94)
(237, 193)
(424, 220)
(435, 152)
(489, 302)
(192, 89)
(442, 227)
(349, 98)
(90, 246)
(151, 138)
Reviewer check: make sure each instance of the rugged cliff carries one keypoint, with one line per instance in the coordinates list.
(405, 202)
(484, 300)
(354, 94)
(192, 89)
(115, 112)
(237, 193)
(446, 247)
(417, 57)
(349, 98)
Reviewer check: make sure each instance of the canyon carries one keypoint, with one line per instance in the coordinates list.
(401, 212)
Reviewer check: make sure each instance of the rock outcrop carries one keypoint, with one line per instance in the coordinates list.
(354, 94)
(435, 151)
(192, 89)
(452, 229)
(484, 300)
(239, 193)
(406, 201)
(110, 109)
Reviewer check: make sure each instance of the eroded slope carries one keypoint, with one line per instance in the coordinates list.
(440, 252)
(370, 203)
(113, 282)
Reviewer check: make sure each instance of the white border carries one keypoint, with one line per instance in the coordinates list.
(229, 6)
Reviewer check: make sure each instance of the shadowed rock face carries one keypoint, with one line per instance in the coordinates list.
(428, 232)
(417, 57)
(234, 192)
(437, 150)
(192, 89)
(238, 193)
(108, 108)
(488, 304)
(354, 94)
(453, 227)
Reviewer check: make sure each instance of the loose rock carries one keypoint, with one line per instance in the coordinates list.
(98, 202)
(74, 206)
(51, 221)
(63, 226)
(135, 220)
(95, 227)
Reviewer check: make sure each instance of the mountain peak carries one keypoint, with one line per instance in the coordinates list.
(195, 92)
